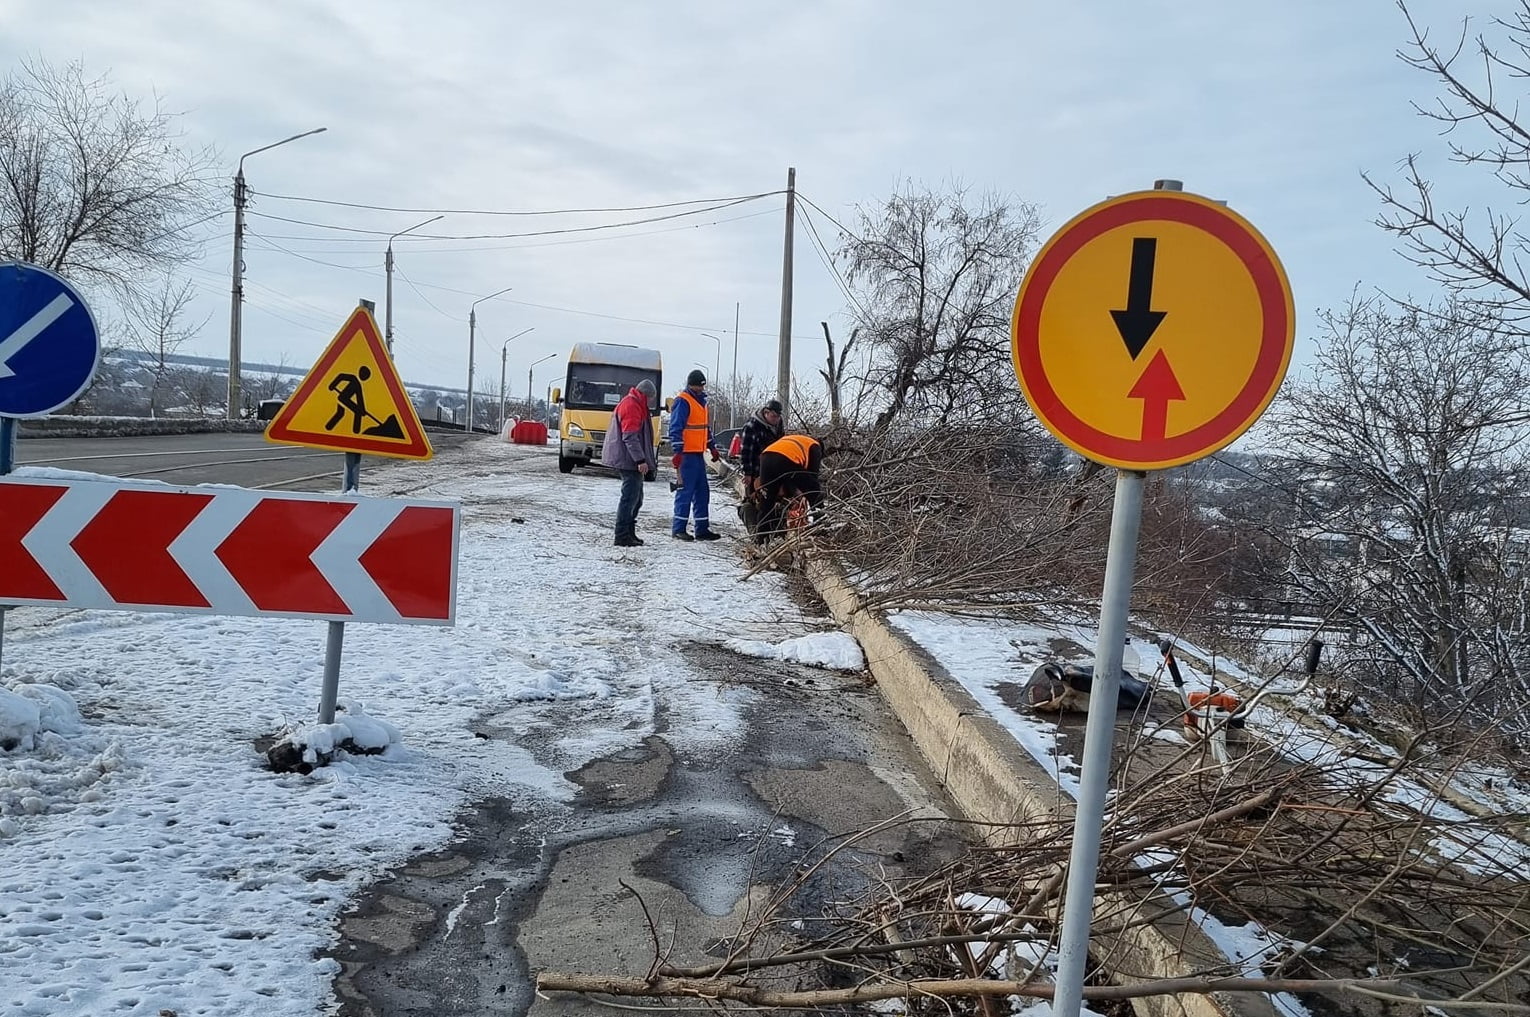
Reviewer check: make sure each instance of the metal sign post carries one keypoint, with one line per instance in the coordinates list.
(334, 642)
(1099, 737)
(7, 463)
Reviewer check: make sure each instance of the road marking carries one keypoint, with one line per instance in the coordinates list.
(17, 340)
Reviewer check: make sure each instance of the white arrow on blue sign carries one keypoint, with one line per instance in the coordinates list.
(49, 346)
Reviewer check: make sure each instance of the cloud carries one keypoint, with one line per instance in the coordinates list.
(1276, 109)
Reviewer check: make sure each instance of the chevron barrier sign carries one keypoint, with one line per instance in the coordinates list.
(227, 550)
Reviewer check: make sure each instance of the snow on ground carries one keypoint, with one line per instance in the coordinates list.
(836, 650)
(149, 861)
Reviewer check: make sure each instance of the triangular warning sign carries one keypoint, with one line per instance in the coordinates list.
(352, 400)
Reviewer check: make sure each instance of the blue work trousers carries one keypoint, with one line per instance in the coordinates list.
(694, 496)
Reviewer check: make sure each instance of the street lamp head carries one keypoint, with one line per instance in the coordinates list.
(416, 226)
(516, 336)
(491, 296)
(263, 148)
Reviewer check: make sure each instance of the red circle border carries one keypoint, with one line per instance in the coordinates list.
(1276, 333)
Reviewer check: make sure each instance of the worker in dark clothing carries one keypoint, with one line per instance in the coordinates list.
(788, 468)
(348, 394)
(762, 429)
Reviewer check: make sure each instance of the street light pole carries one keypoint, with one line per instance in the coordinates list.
(529, 373)
(504, 352)
(717, 370)
(388, 295)
(236, 300)
(472, 328)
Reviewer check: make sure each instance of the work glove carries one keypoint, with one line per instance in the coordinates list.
(715, 456)
(676, 460)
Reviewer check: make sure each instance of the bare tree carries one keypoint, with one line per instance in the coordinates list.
(833, 373)
(274, 384)
(157, 327)
(1407, 457)
(91, 183)
(935, 280)
(199, 391)
(1480, 253)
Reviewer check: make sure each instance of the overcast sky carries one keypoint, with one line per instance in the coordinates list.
(1276, 108)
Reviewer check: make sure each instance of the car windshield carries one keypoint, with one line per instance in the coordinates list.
(601, 386)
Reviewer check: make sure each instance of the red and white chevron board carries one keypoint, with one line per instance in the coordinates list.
(226, 550)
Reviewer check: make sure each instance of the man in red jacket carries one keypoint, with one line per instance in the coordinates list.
(629, 450)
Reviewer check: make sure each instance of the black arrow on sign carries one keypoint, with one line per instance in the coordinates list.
(1138, 323)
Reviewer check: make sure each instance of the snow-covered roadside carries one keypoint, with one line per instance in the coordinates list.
(153, 863)
(987, 656)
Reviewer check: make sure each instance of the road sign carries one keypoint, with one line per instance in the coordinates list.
(1153, 329)
(352, 400)
(219, 550)
(48, 341)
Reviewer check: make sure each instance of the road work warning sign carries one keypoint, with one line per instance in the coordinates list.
(353, 400)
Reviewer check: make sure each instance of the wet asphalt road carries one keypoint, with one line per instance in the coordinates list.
(705, 841)
(216, 458)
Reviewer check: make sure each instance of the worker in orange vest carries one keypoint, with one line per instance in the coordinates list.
(691, 438)
(788, 467)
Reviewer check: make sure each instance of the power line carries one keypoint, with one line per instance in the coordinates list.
(181, 229)
(273, 245)
(828, 262)
(842, 227)
(735, 199)
(400, 273)
(512, 236)
(511, 247)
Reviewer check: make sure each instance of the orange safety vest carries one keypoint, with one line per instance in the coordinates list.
(694, 437)
(795, 447)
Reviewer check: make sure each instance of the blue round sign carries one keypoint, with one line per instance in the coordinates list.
(49, 346)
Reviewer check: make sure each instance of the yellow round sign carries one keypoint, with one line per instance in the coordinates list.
(1153, 329)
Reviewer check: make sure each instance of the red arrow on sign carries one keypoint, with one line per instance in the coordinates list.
(127, 547)
(1156, 387)
(21, 506)
(411, 562)
(270, 555)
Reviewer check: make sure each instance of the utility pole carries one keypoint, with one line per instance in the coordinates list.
(784, 348)
(529, 372)
(388, 296)
(733, 379)
(504, 354)
(236, 300)
(235, 322)
(472, 329)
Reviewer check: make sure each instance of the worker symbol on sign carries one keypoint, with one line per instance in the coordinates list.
(352, 399)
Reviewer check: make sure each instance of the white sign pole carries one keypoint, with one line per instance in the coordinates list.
(1099, 736)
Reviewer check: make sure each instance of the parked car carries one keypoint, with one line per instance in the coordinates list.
(728, 441)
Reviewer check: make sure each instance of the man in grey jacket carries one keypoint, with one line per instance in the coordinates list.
(629, 449)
